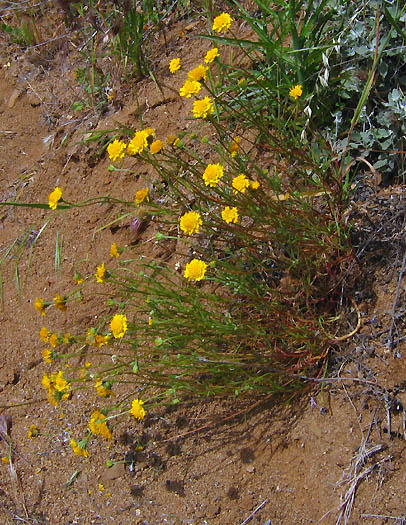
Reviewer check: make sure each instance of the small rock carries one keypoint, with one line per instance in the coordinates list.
(250, 468)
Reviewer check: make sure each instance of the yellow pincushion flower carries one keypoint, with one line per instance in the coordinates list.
(174, 65)
(195, 270)
(44, 334)
(118, 326)
(202, 108)
(60, 383)
(189, 88)
(101, 273)
(156, 146)
(212, 174)
(47, 355)
(115, 251)
(198, 73)
(255, 184)
(78, 449)
(222, 23)
(54, 340)
(33, 432)
(141, 195)
(296, 91)
(211, 55)
(103, 388)
(138, 143)
(98, 425)
(60, 302)
(234, 146)
(54, 197)
(137, 409)
(39, 305)
(230, 215)
(190, 222)
(240, 183)
(116, 150)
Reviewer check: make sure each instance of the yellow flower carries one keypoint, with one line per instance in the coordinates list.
(138, 143)
(33, 432)
(39, 305)
(230, 215)
(103, 388)
(156, 146)
(5, 460)
(240, 183)
(114, 251)
(54, 198)
(118, 325)
(174, 65)
(222, 22)
(101, 340)
(198, 73)
(202, 108)
(150, 322)
(137, 410)
(98, 425)
(54, 340)
(189, 88)
(149, 132)
(195, 270)
(190, 222)
(47, 355)
(234, 146)
(116, 150)
(46, 382)
(77, 449)
(211, 55)
(67, 338)
(255, 184)
(44, 334)
(60, 383)
(60, 303)
(296, 91)
(101, 273)
(212, 174)
(141, 195)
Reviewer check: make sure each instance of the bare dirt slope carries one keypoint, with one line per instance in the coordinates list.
(323, 454)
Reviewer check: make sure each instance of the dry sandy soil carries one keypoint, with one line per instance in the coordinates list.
(326, 457)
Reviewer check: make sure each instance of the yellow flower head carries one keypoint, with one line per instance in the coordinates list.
(33, 432)
(198, 73)
(54, 340)
(234, 146)
(230, 215)
(240, 183)
(190, 222)
(211, 55)
(115, 251)
(137, 409)
(174, 65)
(78, 449)
(103, 388)
(255, 184)
(116, 150)
(101, 273)
(195, 270)
(222, 23)
(212, 174)
(189, 88)
(98, 425)
(60, 383)
(60, 303)
(138, 143)
(46, 382)
(54, 198)
(156, 146)
(47, 355)
(44, 334)
(39, 305)
(141, 195)
(202, 108)
(118, 325)
(296, 91)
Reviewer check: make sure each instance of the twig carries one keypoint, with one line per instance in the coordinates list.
(254, 512)
(395, 302)
(401, 519)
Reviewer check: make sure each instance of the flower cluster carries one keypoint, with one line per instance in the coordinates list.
(58, 387)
